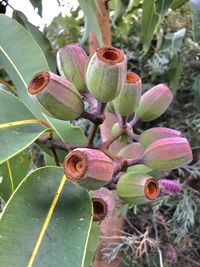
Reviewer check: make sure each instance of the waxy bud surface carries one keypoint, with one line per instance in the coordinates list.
(154, 103)
(128, 99)
(105, 74)
(115, 129)
(71, 62)
(153, 134)
(167, 154)
(137, 188)
(132, 151)
(91, 168)
(55, 96)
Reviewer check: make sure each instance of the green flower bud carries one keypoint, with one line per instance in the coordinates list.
(110, 107)
(141, 168)
(132, 151)
(91, 168)
(167, 154)
(115, 129)
(154, 103)
(137, 188)
(128, 99)
(153, 134)
(71, 62)
(105, 74)
(55, 96)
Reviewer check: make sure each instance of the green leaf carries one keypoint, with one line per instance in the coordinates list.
(196, 89)
(12, 172)
(89, 8)
(162, 6)
(39, 37)
(120, 7)
(150, 20)
(37, 4)
(17, 48)
(92, 244)
(68, 133)
(196, 25)
(18, 126)
(46, 222)
(178, 3)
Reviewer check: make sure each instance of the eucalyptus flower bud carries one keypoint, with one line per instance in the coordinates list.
(128, 99)
(105, 74)
(132, 151)
(110, 107)
(71, 62)
(91, 168)
(115, 129)
(167, 154)
(154, 103)
(153, 134)
(137, 188)
(55, 96)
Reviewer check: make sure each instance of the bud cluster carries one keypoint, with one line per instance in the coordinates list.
(103, 81)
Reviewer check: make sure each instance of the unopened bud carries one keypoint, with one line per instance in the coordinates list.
(167, 154)
(105, 73)
(154, 103)
(132, 151)
(127, 101)
(153, 134)
(55, 96)
(71, 62)
(103, 204)
(110, 107)
(137, 188)
(91, 168)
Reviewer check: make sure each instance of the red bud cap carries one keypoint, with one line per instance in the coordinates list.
(154, 103)
(168, 154)
(153, 134)
(55, 96)
(105, 74)
(91, 168)
(71, 61)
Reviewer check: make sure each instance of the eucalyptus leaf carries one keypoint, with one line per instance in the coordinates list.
(196, 25)
(162, 6)
(150, 20)
(46, 222)
(39, 37)
(12, 172)
(196, 90)
(18, 126)
(178, 3)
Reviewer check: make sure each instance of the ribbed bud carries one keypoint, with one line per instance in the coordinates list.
(168, 154)
(154, 103)
(137, 188)
(110, 107)
(71, 62)
(132, 151)
(115, 129)
(55, 96)
(103, 204)
(90, 168)
(105, 74)
(141, 168)
(128, 99)
(153, 134)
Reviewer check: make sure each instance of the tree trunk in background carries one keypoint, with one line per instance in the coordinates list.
(110, 226)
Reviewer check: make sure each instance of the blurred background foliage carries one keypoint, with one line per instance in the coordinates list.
(167, 232)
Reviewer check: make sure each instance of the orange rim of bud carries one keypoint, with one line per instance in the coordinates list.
(38, 83)
(100, 209)
(75, 165)
(132, 77)
(151, 189)
(110, 55)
